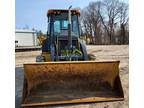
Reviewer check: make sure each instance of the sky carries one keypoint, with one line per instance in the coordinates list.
(32, 13)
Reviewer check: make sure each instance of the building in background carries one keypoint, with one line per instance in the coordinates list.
(25, 37)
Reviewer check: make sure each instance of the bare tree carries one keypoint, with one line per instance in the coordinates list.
(91, 21)
(102, 20)
(112, 10)
(86, 24)
(123, 22)
(94, 8)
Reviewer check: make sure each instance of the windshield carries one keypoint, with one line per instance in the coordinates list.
(61, 23)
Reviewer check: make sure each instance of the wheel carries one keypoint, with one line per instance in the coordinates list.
(91, 57)
(39, 58)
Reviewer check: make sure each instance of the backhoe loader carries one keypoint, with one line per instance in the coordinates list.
(64, 73)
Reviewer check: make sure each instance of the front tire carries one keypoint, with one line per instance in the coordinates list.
(39, 58)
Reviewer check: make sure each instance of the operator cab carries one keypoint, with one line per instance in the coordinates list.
(58, 23)
(63, 38)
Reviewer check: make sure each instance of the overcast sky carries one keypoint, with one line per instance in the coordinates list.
(32, 13)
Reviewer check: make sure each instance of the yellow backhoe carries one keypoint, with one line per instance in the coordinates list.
(64, 73)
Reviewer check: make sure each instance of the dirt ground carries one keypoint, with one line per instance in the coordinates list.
(117, 52)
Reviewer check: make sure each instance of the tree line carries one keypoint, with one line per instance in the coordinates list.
(105, 22)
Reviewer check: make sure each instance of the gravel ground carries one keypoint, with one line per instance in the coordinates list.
(117, 52)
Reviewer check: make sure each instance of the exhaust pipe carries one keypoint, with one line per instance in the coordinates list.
(69, 31)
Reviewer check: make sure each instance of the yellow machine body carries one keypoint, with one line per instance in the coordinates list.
(46, 56)
(67, 73)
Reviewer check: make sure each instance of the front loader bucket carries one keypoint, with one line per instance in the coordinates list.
(51, 83)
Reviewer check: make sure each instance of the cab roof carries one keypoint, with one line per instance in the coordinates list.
(54, 11)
